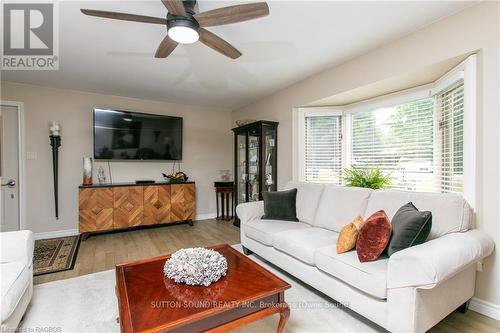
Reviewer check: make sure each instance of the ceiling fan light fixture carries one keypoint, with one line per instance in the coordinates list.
(183, 35)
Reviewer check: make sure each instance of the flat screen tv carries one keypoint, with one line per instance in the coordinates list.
(123, 135)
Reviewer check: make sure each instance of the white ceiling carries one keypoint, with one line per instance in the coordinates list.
(298, 39)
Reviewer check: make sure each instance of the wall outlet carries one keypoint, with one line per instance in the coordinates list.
(31, 155)
(479, 266)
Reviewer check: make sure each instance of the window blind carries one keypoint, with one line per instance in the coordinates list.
(323, 149)
(399, 141)
(450, 138)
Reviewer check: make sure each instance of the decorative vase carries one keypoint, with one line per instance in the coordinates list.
(87, 171)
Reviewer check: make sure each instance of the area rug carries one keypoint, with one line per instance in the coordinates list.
(88, 304)
(55, 254)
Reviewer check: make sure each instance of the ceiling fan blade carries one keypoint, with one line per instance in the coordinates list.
(166, 47)
(175, 7)
(124, 16)
(232, 14)
(218, 44)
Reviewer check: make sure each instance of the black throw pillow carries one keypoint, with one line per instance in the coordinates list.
(409, 227)
(280, 205)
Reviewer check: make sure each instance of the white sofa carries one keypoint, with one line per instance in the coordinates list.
(409, 292)
(16, 275)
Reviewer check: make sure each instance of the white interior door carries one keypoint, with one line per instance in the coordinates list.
(9, 168)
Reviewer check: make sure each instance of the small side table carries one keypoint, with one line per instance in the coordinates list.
(224, 191)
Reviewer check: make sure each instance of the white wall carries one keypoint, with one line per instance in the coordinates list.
(475, 29)
(207, 147)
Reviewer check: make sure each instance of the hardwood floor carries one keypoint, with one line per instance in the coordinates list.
(103, 252)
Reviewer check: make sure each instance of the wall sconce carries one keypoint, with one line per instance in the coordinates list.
(55, 142)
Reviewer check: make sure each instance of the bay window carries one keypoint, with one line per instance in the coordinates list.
(424, 138)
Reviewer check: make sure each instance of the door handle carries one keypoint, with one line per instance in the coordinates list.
(10, 184)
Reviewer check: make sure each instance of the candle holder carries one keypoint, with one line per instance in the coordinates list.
(55, 142)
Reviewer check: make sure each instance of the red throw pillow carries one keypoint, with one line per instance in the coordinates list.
(373, 237)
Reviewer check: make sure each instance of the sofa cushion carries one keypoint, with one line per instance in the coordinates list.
(410, 227)
(15, 279)
(280, 205)
(339, 204)
(349, 235)
(302, 243)
(308, 195)
(373, 237)
(263, 231)
(370, 277)
(450, 211)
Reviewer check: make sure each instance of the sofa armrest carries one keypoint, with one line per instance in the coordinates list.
(16, 246)
(430, 263)
(250, 211)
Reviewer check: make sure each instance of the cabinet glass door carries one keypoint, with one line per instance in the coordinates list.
(241, 168)
(253, 166)
(269, 165)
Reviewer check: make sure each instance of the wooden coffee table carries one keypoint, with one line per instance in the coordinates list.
(150, 302)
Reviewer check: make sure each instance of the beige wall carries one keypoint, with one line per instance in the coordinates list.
(476, 28)
(207, 147)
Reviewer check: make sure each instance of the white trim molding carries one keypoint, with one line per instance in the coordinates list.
(486, 308)
(205, 216)
(55, 234)
(74, 232)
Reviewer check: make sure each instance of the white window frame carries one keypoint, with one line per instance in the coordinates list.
(301, 135)
(466, 70)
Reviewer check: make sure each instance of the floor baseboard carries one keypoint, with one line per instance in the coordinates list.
(55, 234)
(73, 232)
(205, 216)
(485, 308)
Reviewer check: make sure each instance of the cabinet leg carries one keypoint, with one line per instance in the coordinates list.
(217, 203)
(222, 205)
(462, 308)
(227, 206)
(191, 223)
(85, 236)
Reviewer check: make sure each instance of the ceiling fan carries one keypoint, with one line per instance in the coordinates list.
(185, 26)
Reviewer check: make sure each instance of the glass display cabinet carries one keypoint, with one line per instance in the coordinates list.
(255, 163)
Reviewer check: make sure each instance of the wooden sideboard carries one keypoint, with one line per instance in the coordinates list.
(127, 205)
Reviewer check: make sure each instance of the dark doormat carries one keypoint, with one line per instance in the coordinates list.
(55, 254)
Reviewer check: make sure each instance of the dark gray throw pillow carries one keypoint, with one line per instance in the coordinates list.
(409, 227)
(280, 205)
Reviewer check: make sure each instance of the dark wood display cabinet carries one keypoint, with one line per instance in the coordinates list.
(255, 163)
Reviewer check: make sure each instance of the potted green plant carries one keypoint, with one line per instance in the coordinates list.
(370, 177)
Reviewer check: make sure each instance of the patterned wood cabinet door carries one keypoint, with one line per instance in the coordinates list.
(156, 204)
(128, 205)
(183, 198)
(95, 209)
(190, 201)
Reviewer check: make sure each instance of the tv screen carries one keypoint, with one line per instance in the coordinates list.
(124, 135)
